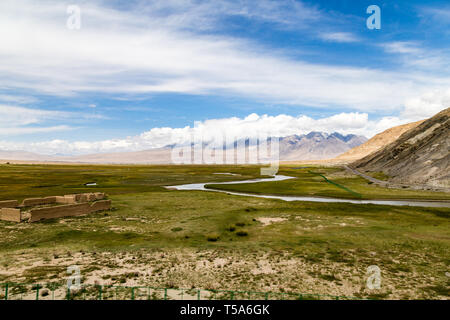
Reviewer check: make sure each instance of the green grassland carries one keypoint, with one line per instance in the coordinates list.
(19, 181)
(196, 239)
(309, 183)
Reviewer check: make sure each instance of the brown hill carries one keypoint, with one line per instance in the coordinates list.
(377, 142)
(421, 155)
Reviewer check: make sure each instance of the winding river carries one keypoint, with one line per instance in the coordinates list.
(201, 187)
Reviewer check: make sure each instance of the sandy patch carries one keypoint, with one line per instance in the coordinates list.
(268, 221)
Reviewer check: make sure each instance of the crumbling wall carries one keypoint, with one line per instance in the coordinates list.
(38, 201)
(9, 204)
(67, 199)
(80, 197)
(59, 211)
(99, 195)
(10, 214)
(73, 205)
(69, 210)
(101, 205)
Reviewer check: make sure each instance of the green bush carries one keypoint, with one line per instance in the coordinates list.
(212, 237)
(242, 233)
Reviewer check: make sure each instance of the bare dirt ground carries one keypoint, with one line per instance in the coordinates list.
(217, 269)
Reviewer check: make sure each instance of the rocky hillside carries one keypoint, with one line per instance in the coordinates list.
(377, 142)
(421, 155)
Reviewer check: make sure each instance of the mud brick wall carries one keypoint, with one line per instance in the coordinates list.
(67, 199)
(101, 205)
(85, 198)
(9, 204)
(81, 197)
(89, 197)
(99, 195)
(69, 210)
(38, 201)
(10, 214)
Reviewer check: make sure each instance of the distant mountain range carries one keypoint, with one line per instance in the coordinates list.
(317, 145)
(311, 146)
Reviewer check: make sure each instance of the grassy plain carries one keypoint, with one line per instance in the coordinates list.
(196, 239)
(309, 183)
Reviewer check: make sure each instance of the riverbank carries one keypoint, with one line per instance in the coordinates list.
(276, 178)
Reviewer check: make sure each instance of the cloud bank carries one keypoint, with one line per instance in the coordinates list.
(251, 126)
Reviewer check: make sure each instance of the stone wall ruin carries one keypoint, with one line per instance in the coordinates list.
(36, 209)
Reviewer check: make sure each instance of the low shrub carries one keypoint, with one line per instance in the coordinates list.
(212, 237)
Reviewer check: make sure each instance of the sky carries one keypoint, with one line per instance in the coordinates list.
(134, 75)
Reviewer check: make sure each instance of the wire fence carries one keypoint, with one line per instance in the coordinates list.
(60, 291)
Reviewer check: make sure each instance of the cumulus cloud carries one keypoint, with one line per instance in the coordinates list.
(427, 105)
(249, 127)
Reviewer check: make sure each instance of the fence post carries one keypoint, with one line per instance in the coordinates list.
(6, 291)
(37, 291)
(232, 295)
(198, 294)
(165, 293)
(132, 293)
(267, 296)
(100, 288)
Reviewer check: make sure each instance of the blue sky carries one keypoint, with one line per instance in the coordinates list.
(139, 74)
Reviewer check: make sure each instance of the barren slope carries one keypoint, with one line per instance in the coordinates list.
(419, 156)
(377, 142)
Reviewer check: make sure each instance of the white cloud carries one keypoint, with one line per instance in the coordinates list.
(440, 15)
(251, 126)
(344, 37)
(402, 47)
(145, 51)
(32, 130)
(414, 55)
(18, 120)
(427, 105)
(17, 99)
(13, 116)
